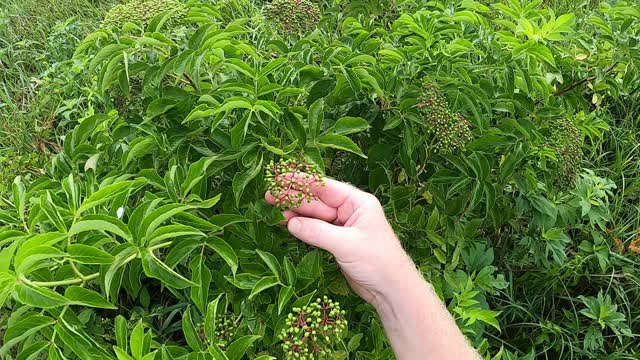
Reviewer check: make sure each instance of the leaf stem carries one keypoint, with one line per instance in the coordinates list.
(62, 282)
(160, 246)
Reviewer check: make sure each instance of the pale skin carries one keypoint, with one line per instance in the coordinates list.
(351, 225)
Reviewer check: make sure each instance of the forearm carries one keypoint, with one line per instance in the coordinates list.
(417, 323)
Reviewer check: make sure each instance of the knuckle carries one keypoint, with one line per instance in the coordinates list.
(372, 200)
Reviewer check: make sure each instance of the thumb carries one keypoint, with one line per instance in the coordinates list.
(335, 239)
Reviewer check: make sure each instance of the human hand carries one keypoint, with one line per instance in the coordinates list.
(350, 224)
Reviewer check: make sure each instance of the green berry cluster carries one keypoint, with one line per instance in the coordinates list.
(225, 330)
(293, 16)
(451, 130)
(142, 11)
(566, 140)
(314, 329)
(290, 181)
(226, 327)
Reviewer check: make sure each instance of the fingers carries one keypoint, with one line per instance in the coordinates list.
(337, 200)
(315, 209)
(335, 239)
(336, 193)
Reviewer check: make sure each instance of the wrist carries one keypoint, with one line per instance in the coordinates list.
(403, 284)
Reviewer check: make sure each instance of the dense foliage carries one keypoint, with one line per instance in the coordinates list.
(501, 139)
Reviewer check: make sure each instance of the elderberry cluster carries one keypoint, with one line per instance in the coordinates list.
(142, 11)
(314, 329)
(290, 181)
(451, 130)
(566, 140)
(226, 328)
(293, 16)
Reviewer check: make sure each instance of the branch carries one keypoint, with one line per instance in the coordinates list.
(573, 86)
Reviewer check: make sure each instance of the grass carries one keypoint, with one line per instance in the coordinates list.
(33, 45)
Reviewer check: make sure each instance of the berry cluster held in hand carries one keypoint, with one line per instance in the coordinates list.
(142, 11)
(313, 330)
(293, 16)
(290, 181)
(451, 130)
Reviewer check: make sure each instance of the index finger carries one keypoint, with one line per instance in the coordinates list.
(331, 194)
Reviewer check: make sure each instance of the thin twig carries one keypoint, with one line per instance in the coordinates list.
(591, 78)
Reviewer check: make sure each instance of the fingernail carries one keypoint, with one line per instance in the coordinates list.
(294, 225)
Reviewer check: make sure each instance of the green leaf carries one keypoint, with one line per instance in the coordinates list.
(217, 353)
(137, 341)
(171, 232)
(201, 275)
(225, 251)
(121, 259)
(24, 328)
(272, 66)
(156, 269)
(238, 348)
(234, 104)
(74, 340)
(340, 142)
(159, 107)
(200, 112)
(121, 332)
(316, 118)
(105, 53)
(296, 128)
(33, 351)
(484, 315)
(138, 148)
(35, 258)
(51, 210)
(38, 297)
(241, 179)
(350, 125)
(309, 266)
(304, 300)
(243, 281)
(86, 254)
(104, 223)
(320, 89)
(150, 356)
(263, 284)
(271, 261)
(121, 354)
(19, 196)
(85, 129)
(290, 271)
(242, 67)
(211, 317)
(81, 296)
(160, 215)
(107, 193)
(283, 297)
(7, 281)
(223, 220)
(197, 171)
(190, 332)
